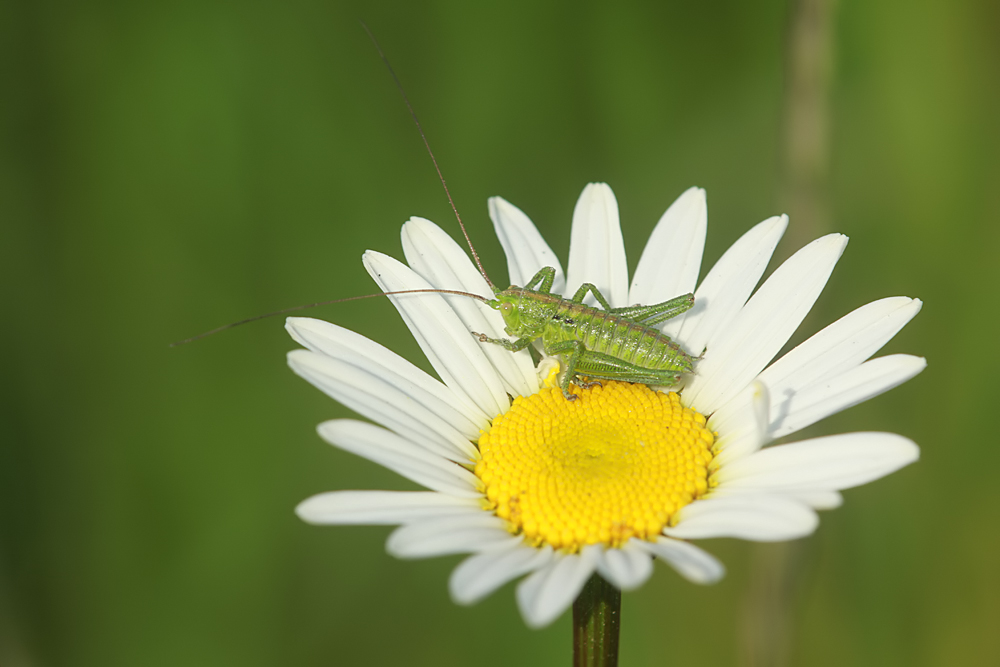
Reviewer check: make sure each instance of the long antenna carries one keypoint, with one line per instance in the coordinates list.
(427, 145)
(323, 303)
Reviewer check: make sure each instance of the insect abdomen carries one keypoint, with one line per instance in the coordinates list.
(604, 332)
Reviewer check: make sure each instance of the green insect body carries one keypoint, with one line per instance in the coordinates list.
(609, 344)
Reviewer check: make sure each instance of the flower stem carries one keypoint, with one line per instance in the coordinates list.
(596, 622)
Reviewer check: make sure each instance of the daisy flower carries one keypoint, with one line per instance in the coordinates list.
(533, 485)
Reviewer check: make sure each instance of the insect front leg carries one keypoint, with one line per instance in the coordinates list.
(589, 287)
(543, 279)
(512, 345)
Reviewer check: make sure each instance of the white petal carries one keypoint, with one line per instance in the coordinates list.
(761, 406)
(672, 258)
(400, 455)
(547, 593)
(756, 517)
(845, 343)
(346, 345)
(483, 573)
(747, 435)
(733, 445)
(365, 390)
(739, 432)
(833, 351)
(819, 401)
(381, 507)
(627, 568)
(816, 499)
(691, 562)
(820, 500)
(435, 256)
(823, 464)
(526, 250)
(727, 286)
(866, 381)
(596, 248)
(450, 347)
(736, 355)
(448, 535)
(360, 390)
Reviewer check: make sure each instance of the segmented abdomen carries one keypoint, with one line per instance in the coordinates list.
(601, 331)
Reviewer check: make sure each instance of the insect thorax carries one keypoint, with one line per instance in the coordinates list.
(527, 312)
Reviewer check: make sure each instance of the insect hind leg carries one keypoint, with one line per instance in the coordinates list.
(598, 366)
(658, 312)
(605, 367)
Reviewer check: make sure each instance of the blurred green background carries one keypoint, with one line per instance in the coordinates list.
(168, 167)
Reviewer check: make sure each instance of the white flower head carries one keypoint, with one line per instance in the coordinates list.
(536, 486)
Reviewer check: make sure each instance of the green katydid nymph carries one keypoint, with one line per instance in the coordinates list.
(594, 343)
(609, 344)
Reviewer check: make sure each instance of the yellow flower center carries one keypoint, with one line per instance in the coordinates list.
(616, 463)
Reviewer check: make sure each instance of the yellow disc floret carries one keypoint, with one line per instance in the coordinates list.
(614, 464)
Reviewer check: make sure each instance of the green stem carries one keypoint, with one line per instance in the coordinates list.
(596, 621)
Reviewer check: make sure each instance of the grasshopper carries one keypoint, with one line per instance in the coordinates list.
(609, 344)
